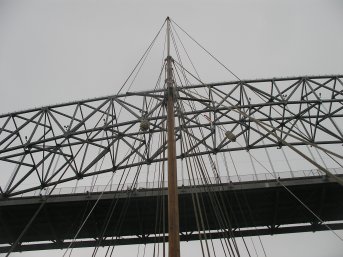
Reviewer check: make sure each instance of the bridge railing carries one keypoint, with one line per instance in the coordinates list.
(185, 182)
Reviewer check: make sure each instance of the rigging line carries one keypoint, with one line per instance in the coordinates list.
(44, 200)
(151, 99)
(312, 156)
(112, 251)
(247, 203)
(217, 167)
(234, 166)
(144, 57)
(125, 208)
(144, 250)
(334, 160)
(223, 247)
(160, 197)
(206, 51)
(215, 202)
(177, 35)
(182, 71)
(198, 164)
(297, 198)
(108, 248)
(112, 208)
(26, 228)
(182, 172)
(187, 82)
(191, 105)
(195, 207)
(163, 64)
(163, 199)
(158, 83)
(109, 216)
(253, 166)
(136, 178)
(203, 161)
(203, 177)
(160, 191)
(139, 69)
(98, 199)
(159, 212)
(94, 180)
(157, 110)
(196, 204)
(164, 47)
(71, 228)
(150, 46)
(223, 220)
(266, 150)
(138, 250)
(321, 158)
(87, 217)
(198, 161)
(114, 150)
(147, 176)
(178, 56)
(288, 164)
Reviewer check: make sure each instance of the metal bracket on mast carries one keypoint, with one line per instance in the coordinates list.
(169, 80)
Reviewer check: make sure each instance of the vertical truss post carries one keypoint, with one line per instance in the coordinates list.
(173, 201)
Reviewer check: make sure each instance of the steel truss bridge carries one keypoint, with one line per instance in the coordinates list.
(49, 147)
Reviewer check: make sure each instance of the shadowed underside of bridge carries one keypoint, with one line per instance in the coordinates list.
(253, 208)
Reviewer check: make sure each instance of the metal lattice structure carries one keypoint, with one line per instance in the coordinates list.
(52, 145)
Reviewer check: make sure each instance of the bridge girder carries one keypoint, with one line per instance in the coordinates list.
(252, 208)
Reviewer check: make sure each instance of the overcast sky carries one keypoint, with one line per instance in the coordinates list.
(57, 51)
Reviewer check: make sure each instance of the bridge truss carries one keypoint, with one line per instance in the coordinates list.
(45, 147)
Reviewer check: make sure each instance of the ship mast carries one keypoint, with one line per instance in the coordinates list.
(173, 201)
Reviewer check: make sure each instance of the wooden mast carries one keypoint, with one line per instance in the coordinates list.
(173, 201)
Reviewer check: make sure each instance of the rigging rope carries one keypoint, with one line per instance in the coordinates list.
(234, 108)
(143, 56)
(197, 165)
(44, 200)
(206, 50)
(186, 80)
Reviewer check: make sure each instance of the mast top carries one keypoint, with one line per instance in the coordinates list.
(168, 37)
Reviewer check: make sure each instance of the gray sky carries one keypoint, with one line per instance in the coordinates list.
(56, 51)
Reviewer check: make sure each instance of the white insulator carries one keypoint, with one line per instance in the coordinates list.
(145, 124)
(229, 135)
